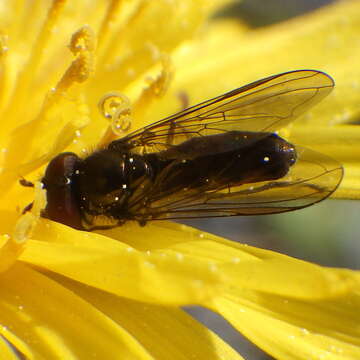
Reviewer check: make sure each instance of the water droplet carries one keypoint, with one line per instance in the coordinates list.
(213, 268)
(197, 283)
(149, 264)
(305, 331)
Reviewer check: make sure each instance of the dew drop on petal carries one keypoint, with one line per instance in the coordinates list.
(213, 268)
(355, 84)
(305, 331)
(149, 264)
(131, 72)
(197, 283)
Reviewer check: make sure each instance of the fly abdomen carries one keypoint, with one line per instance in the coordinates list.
(245, 157)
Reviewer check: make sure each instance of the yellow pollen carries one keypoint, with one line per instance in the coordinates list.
(83, 46)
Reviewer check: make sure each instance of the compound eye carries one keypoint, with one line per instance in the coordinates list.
(61, 190)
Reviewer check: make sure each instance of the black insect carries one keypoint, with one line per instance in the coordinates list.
(218, 158)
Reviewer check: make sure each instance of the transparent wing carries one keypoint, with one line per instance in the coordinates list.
(311, 179)
(264, 105)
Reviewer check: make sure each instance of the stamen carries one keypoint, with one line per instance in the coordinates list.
(109, 18)
(156, 88)
(45, 33)
(3, 69)
(117, 108)
(27, 222)
(64, 139)
(26, 77)
(83, 46)
(112, 47)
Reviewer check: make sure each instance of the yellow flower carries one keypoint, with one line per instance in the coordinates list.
(116, 294)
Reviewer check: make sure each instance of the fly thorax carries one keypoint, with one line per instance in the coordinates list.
(108, 178)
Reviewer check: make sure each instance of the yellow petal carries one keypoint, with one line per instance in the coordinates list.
(242, 266)
(293, 329)
(163, 331)
(340, 142)
(52, 322)
(327, 37)
(99, 261)
(9, 252)
(6, 350)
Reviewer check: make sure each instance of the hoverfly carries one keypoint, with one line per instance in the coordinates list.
(218, 158)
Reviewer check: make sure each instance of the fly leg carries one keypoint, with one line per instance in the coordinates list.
(26, 183)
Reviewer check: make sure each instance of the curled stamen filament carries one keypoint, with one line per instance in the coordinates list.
(116, 108)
